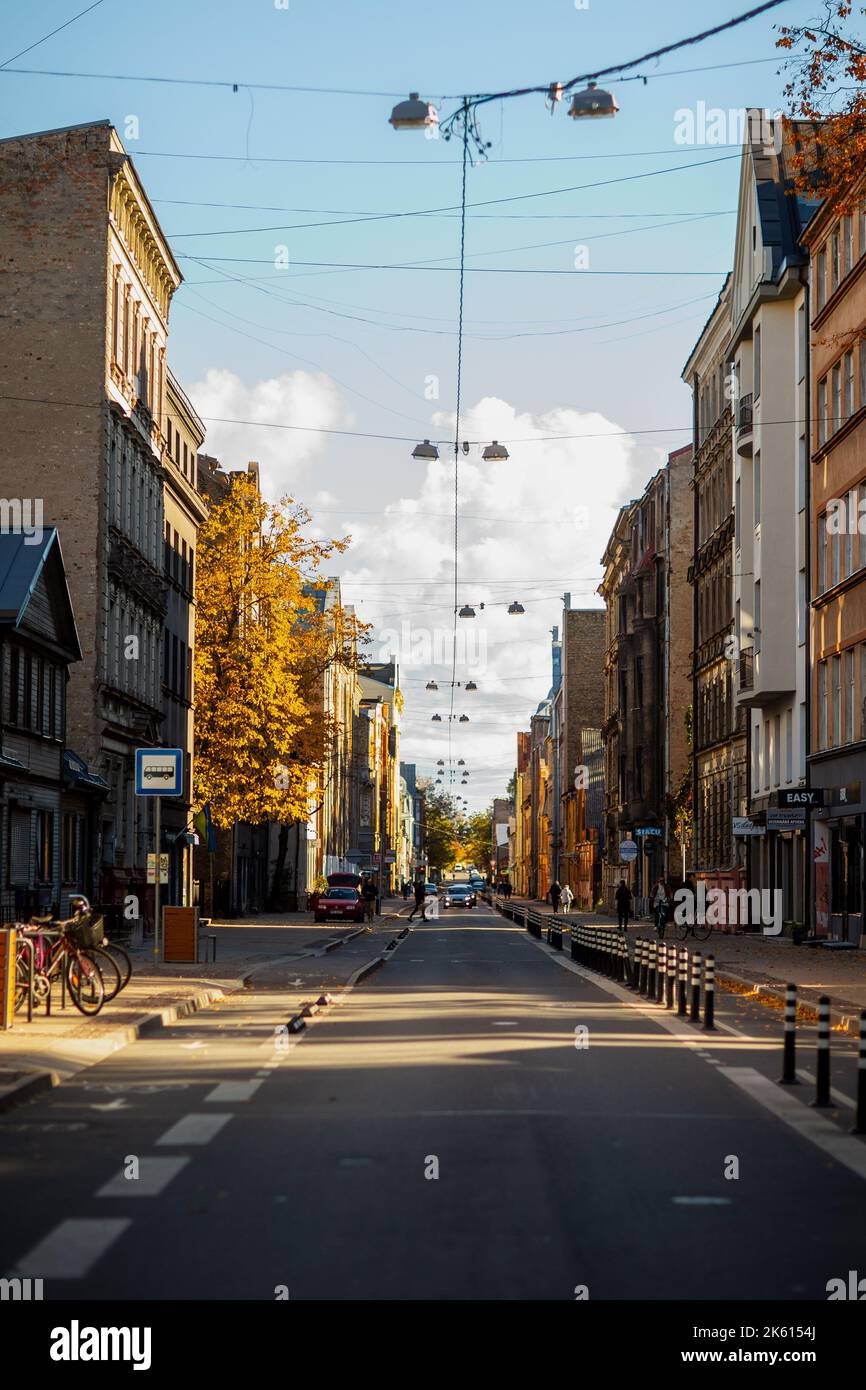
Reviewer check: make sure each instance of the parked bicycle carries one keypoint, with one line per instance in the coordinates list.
(95, 969)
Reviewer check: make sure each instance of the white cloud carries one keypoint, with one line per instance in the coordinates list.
(294, 398)
(531, 529)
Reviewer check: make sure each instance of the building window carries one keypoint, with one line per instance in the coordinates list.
(801, 473)
(862, 373)
(737, 512)
(834, 259)
(836, 677)
(849, 696)
(822, 704)
(848, 388)
(863, 690)
(847, 243)
(836, 401)
(821, 279)
(801, 608)
(757, 358)
(802, 342)
(789, 745)
(822, 411)
(757, 637)
(821, 557)
(757, 481)
(44, 827)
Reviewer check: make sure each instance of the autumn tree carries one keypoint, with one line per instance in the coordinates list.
(441, 843)
(827, 86)
(476, 836)
(260, 646)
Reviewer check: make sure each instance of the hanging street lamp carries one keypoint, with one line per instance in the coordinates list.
(414, 114)
(425, 451)
(591, 102)
(495, 453)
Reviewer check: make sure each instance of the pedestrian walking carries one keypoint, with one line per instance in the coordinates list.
(623, 903)
(407, 889)
(368, 893)
(420, 900)
(554, 894)
(567, 898)
(661, 904)
(507, 889)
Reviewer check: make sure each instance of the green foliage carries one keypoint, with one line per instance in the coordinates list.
(442, 830)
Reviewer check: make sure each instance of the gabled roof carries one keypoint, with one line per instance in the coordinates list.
(22, 566)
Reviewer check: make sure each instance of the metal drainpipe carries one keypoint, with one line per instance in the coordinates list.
(696, 436)
(808, 872)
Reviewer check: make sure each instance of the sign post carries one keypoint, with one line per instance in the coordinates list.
(158, 773)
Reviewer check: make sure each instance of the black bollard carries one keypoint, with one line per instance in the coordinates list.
(822, 1061)
(683, 982)
(651, 970)
(672, 975)
(860, 1114)
(695, 1015)
(662, 972)
(709, 994)
(789, 1062)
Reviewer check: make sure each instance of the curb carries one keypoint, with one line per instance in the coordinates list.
(840, 1015)
(31, 1086)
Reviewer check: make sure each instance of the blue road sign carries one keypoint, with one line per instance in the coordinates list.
(158, 771)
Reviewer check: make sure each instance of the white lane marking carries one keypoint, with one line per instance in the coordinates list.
(808, 1123)
(701, 1201)
(154, 1175)
(194, 1129)
(228, 1092)
(505, 1024)
(71, 1250)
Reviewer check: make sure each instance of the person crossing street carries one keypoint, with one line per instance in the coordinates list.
(420, 900)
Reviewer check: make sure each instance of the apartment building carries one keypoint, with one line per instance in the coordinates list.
(88, 279)
(377, 738)
(647, 669)
(835, 240)
(577, 714)
(185, 511)
(720, 790)
(769, 350)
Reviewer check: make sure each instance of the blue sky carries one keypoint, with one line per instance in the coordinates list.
(355, 349)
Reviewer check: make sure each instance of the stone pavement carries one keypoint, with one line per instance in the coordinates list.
(764, 963)
(289, 950)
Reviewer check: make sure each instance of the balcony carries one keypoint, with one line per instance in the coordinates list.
(747, 668)
(744, 426)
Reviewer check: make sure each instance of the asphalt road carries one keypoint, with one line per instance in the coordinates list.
(447, 1131)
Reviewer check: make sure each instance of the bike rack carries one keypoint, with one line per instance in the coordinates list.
(28, 942)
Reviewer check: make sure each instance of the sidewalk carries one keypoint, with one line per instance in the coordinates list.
(312, 957)
(762, 963)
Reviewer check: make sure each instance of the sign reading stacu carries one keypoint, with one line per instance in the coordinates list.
(158, 771)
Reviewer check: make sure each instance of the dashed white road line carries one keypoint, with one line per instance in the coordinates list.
(232, 1092)
(194, 1129)
(71, 1250)
(154, 1175)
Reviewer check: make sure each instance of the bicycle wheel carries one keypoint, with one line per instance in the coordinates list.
(682, 929)
(703, 931)
(86, 987)
(109, 969)
(121, 960)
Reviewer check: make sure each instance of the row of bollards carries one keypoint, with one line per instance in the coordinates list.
(666, 974)
(823, 1092)
(663, 974)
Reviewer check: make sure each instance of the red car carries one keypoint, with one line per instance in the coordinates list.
(340, 902)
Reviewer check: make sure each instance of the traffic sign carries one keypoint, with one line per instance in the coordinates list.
(159, 771)
(627, 851)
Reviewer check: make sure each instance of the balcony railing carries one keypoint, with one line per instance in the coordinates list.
(744, 412)
(747, 668)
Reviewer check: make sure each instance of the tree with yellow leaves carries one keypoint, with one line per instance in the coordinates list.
(261, 646)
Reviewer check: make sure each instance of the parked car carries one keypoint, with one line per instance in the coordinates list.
(345, 903)
(459, 895)
(431, 890)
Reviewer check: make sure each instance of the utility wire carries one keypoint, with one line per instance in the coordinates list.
(46, 37)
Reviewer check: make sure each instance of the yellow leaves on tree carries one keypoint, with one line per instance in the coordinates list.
(828, 87)
(261, 647)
